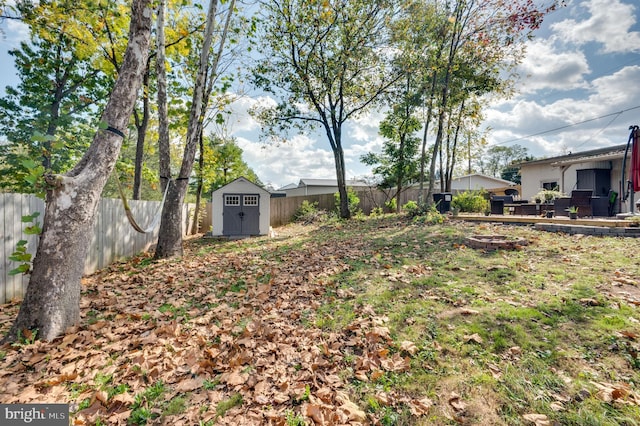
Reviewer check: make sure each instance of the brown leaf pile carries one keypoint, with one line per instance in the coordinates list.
(210, 327)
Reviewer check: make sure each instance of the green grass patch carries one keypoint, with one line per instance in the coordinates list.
(223, 406)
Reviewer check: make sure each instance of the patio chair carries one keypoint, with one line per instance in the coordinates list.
(498, 202)
(581, 198)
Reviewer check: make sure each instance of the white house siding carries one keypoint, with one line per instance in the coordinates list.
(477, 182)
(536, 174)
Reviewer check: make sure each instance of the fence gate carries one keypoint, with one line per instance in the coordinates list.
(241, 214)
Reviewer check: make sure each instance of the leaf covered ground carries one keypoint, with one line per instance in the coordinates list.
(377, 321)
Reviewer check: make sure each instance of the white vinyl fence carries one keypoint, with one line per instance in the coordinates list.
(113, 237)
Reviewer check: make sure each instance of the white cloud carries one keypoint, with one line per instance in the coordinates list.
(15, 31)
(546, 67)
(288, 162)
(609, 24)
(606, 97)
(305, 155)
(616, 90)
(241, 120)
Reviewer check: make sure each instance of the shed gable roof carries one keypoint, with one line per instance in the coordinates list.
(241, 180)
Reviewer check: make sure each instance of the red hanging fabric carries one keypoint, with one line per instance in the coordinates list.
(635, 160)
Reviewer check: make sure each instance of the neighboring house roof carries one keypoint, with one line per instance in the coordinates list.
(329, 182)
(502, 182)
(289, 186)
(601, 154)
(478, 178)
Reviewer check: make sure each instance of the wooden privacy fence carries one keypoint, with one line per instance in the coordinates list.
(284, 208)
(113, 237)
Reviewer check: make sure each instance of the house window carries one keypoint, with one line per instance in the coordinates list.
(231, 200)
(250, 200)
(551, 185)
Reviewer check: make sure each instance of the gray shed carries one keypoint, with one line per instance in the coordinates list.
(240, 208)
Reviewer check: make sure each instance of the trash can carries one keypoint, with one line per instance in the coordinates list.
(442, 201)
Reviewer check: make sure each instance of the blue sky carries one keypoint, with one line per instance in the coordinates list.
(583, 63)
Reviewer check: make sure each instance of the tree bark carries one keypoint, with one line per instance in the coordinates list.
(196, 215)
(456, 34)
(170, 238)
(338, 155)
(51, 303)
(141, 131)
(164, 152)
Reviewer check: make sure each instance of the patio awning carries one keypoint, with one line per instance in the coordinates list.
(613, 155)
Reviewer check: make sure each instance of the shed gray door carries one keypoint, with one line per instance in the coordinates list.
(241, 214)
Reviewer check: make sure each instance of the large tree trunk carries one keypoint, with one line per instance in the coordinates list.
(51, 303)
(170, 234)
(423, 151)
(338, 156)
(200, 184)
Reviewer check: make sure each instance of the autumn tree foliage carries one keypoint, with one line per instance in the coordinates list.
(460, 51)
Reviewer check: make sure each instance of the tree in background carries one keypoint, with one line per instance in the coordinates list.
(397, 165)
(451, 39)
(49, 117)
(52, 301)
(226, 164)
(502, 161)
(324, 60)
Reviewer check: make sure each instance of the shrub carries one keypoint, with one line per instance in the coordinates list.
(309, 213)
(354, 202)
(470, 202)
(391, 205)
(429, 216)
(376, 211)
(412, 209)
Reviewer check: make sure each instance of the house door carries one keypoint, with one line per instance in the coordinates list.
(598, 180)
(241, 214)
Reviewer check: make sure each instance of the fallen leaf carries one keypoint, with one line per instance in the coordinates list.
(537, 419)
(495, 371)
(420, 407)
(189, 385)
(556, 406)
(352, 410)
(316, 413)
(629, 335)
(409, 347)
(457, 403)
(474, 338)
